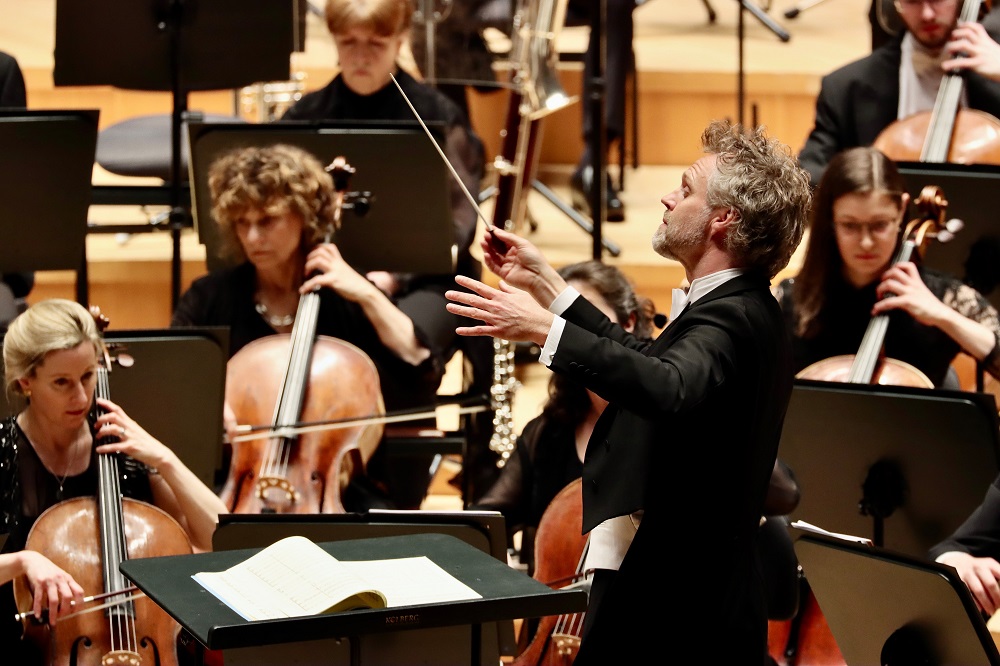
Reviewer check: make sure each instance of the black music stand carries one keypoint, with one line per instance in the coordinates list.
(174, 389)
(370, 636)
(396, 166)
(887, 608)
(47, 161)
(903, 466)
(173, 45)
(484, 530)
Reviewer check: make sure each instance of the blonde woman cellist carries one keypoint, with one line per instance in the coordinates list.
(48, 454)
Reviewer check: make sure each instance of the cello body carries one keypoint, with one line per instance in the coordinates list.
(68, 534)
(975, 138)
(889, 372)
(805, 640)
(559, 550)
(342, 383)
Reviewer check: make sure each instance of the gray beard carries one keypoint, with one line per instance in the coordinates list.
(661, 243)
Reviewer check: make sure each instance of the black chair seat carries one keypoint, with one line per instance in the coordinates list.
(141, 146)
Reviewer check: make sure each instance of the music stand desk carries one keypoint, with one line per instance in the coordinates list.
(506, 594)
(849, 446)
(885, 607)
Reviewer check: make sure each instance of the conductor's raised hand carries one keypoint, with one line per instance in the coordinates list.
(520, 264)
(508, 313)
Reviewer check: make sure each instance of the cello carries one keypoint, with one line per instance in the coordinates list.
(947, 133)
(300, 376)
(560, 550)
(89, 538)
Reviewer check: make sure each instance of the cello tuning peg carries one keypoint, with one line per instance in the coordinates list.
(944, 236)
(954, 225)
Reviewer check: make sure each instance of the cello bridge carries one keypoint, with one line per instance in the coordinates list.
(566, 644)
(276, 490)
(121, 658)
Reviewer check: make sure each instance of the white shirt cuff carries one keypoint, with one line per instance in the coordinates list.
(557, 307)
(552, 341)
(563, 300)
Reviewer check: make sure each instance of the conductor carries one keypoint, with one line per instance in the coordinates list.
(705, 400)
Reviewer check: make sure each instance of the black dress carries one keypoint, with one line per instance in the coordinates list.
(543, 463)
(848, 312)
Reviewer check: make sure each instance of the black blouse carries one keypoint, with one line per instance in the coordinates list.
(225, 297)
(848, 313)
(543, 463)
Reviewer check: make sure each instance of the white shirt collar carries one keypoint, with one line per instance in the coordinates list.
(699, 287)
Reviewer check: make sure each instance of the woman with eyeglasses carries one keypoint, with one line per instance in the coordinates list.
(848, 276)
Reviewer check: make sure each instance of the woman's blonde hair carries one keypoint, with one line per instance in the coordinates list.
(385, 18)
(55, 324)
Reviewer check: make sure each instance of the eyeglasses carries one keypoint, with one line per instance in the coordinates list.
(877, 229)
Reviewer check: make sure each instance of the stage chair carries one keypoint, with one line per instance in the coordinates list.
(140, 146)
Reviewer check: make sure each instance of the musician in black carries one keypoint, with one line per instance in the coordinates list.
(368, 36)
(49, 453)
(858, 210)
(858, 101)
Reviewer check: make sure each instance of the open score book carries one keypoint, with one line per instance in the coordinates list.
(294, 577)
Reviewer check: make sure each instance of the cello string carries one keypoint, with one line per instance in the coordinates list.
(272, 451)
(297, 372)
(866, 361)
(304, 345)
(115, 551)
(114, 633)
